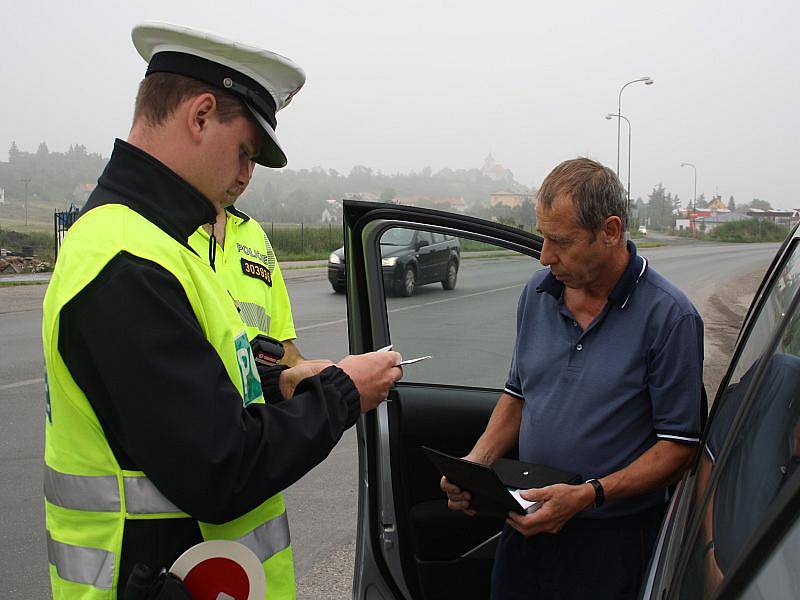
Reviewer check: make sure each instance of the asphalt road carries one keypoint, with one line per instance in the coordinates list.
(469, 331)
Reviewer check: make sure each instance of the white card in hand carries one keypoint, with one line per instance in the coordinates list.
(529, 506)
(411, 361)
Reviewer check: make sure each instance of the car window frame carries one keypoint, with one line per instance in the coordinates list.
(695, 523)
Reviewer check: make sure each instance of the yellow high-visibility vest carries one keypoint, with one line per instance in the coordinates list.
(247, 266)
(88, 496)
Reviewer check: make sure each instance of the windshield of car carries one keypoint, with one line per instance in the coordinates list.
(397, 237)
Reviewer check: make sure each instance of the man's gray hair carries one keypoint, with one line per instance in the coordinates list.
(595, 191)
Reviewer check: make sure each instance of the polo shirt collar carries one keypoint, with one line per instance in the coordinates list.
(237, 213)
(620, 295)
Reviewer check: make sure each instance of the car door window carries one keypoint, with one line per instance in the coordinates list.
(424, 236)
(465, 319)
(759, 418)
(397, 237)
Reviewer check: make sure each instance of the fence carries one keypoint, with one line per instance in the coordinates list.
(303, 241)
(62, 221)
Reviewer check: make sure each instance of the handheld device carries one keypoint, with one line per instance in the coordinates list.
(267, 350)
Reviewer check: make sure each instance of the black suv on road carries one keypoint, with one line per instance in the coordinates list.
(409, 258)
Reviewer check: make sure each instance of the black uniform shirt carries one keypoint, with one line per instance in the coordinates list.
(160, 391)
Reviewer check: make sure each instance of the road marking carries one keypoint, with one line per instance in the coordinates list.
(413, 306)
(473, 294)
(325, 324)
(17, 384)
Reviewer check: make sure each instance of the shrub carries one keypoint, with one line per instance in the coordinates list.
(749, 230)
(303, 242)
(42, 242)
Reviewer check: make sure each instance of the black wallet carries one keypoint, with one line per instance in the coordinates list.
(489, 485)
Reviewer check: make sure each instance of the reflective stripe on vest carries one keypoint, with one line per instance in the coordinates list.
(268, 539)
(80, 492)
(101, 493)
(253, 315)
(142, 497)
(89, 566)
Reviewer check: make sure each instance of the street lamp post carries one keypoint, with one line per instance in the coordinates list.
(694, 199)
(644, 80)
(26, 181)
(628, 187)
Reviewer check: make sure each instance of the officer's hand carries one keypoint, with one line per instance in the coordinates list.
(373, 374)
(290, 378)
(457, 499)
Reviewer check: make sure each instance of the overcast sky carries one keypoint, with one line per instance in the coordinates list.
(403, 85)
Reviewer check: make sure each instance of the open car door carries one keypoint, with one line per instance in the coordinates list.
(409, 545)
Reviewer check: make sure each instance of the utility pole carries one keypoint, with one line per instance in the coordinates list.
(26, 181)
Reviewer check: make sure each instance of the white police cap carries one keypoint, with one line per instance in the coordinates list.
(265, 81)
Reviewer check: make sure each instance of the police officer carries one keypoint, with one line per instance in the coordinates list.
(157, 433)
(247, 264)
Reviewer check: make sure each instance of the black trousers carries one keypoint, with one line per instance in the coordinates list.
(588, 558)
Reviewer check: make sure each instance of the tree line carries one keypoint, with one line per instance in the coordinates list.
(52, 176)
(286, 195)
(301, 196)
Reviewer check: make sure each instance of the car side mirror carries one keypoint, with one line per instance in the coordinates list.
(422, 244)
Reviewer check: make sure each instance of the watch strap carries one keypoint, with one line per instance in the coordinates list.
(599, 493)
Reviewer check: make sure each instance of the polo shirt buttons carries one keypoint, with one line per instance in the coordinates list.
(579, 347)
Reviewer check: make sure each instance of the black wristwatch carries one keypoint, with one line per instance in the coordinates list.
(599, 493)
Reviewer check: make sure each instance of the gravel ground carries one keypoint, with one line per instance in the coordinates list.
(723, 314)
(330, 579)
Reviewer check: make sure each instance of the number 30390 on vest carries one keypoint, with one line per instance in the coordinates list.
(256, 270)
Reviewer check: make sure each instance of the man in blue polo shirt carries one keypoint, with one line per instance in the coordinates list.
(606, 381)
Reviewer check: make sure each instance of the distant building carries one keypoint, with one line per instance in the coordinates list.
(683, 225)
(496, 171)
(332, 213)
(510, 199)
(706, 219)
(709, 223)
(717, 205)
(788, 218)
(82, 192)
(2, 195)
